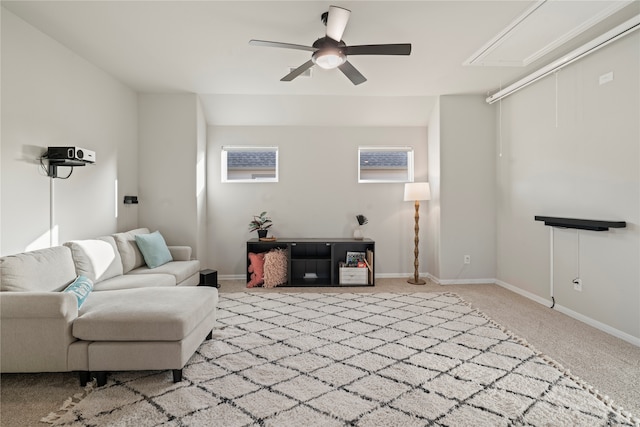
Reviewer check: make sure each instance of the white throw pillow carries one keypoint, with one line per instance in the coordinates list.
(129, 251)
(98, 259)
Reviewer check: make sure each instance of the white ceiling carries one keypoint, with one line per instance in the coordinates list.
(202, 47)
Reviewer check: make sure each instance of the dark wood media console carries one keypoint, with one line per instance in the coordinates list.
(316, 262)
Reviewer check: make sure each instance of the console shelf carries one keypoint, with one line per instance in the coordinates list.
(316, 262)
(581, 224)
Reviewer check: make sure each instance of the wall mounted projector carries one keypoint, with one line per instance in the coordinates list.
(71, 155)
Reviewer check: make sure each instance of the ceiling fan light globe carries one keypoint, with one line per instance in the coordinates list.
(329, 59)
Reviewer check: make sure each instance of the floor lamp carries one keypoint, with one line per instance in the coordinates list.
(416, 191)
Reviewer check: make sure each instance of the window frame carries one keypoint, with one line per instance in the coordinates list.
(224, 171)
(410, 163)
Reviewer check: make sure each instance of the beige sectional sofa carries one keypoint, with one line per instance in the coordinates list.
(135, 318)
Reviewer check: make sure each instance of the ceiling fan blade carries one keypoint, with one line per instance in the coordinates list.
(337, 22)
(379, 49)
(295, 73)
(283, 45)
(352, 74)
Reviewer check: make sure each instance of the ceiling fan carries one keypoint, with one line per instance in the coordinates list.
(331, 51)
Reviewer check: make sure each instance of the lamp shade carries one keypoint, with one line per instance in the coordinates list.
(416, 191)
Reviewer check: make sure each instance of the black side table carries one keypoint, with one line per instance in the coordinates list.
(209, 278)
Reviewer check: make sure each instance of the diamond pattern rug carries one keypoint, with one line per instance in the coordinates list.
(337, 359)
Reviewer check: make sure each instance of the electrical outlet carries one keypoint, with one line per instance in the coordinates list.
(467, 259)
(577, 284)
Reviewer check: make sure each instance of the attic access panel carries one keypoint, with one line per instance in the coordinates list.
(521, 42)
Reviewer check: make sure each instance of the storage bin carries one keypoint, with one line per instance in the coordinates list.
(353, 276)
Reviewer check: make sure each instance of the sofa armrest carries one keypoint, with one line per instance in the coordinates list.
(180, 253)
(46, 305)
(36, 330)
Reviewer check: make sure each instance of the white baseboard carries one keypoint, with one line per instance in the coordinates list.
(232, 277)
(439, 281)
(393, 275)
(578, 316)
(524, 293)
(599, 325)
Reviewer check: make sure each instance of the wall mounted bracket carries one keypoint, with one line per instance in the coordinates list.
(52, 170)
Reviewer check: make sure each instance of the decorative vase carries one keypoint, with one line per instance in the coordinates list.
(262, 234)
(357, 234)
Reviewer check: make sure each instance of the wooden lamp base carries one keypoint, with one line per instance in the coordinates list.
(416, 280)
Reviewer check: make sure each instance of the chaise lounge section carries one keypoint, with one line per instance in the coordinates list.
(135, 318)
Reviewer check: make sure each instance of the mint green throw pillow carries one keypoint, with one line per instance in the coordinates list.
(154, 249)
(81, 288)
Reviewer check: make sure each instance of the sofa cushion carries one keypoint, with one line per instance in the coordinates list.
(181, 270)
(154, 249)
(98, 259)
(130, 281)
(148, 314)
(81, 288)
(128, 248)
(180, 253)
(44, 270)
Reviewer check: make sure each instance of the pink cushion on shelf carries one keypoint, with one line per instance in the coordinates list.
(256, 268)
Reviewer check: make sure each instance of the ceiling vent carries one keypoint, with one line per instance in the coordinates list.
(543, 27)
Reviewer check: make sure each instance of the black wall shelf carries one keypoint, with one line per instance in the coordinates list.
(581, 224)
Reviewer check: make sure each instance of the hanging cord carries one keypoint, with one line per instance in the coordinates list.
(577, 254)
(556, 76)
(553, 299)
(500, 125)
(500, 128)
(51, 212)
(67, 177)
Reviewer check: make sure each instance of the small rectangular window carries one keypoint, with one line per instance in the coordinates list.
(249, 164)
(385, 164)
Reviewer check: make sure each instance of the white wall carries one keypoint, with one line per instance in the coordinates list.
(433, 211)
(168, 150)
(461, 219)
(52, 97)
(582, 161)
(201, 183)
(318, 194)
(467, 189)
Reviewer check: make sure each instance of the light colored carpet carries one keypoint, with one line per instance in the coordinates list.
(352, 359)
(609, 364)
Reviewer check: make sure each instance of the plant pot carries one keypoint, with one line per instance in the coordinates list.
(357, 234)
(262, 234)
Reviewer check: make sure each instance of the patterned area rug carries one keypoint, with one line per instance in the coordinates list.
(337, 359)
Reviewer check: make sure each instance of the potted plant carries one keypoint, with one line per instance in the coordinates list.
(260, 223)
(362, 220)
